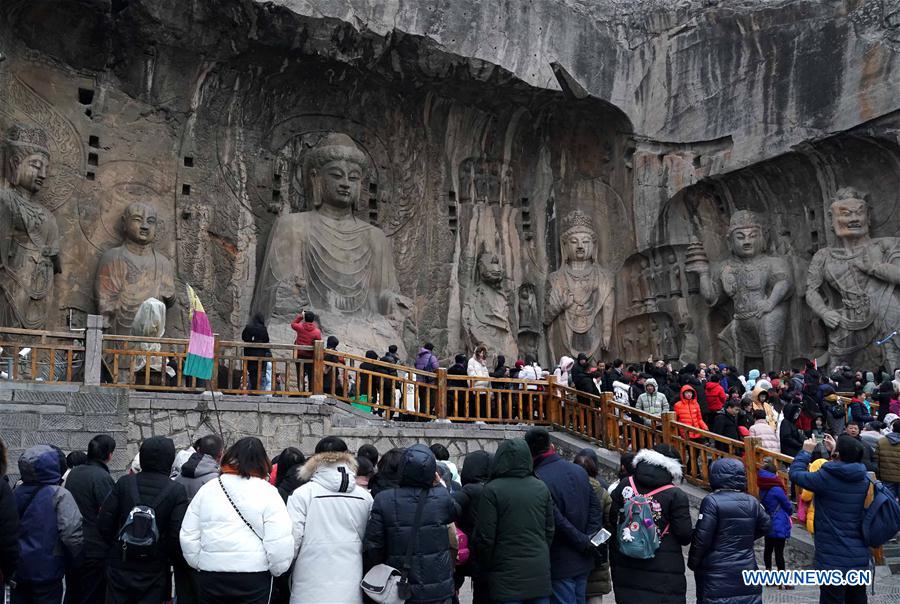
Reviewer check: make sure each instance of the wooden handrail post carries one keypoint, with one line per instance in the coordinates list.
(440, 407)
(93, 350)
(214, 380)
(750, 444)
(667, 418)
(554, 401)
(318, 374)
(604, 417)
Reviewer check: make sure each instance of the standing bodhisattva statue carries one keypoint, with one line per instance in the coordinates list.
(580, 295)
(329, 261)
(862, 275)
(758, 285)
(29, 235)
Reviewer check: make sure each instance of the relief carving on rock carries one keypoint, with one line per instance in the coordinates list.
(758, 285)
(486, 311)
(133, 272)
(580, 299)
(29, 234)
(331, 262)
(853, 287)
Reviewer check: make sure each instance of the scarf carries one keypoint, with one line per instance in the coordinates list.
(768, 482)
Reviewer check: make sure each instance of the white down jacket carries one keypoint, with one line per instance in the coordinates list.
(329, 514)
(214, 538)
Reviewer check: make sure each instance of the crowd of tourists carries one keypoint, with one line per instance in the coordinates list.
(231, 525)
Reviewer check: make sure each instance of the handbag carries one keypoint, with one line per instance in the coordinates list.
(249, 526)
(384, 583)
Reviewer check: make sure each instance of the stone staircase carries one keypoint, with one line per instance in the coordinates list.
(892, 556)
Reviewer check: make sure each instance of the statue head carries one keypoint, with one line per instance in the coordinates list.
(27, 157)
(849, 213)
(578, 239)
(489, 268)
(746, 235)
(670, 258)
(334, 171)
(139, 223)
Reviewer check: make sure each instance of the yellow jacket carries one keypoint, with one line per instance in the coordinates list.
(771, 415)
(808, 497)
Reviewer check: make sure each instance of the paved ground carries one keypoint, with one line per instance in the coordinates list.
(887, 591)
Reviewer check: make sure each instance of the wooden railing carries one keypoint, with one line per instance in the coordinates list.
(46, 356)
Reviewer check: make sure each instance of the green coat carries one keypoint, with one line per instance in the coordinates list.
(598, 581)
(515, 527)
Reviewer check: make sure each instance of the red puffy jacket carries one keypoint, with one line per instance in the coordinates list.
(715, 397)
(307, 334)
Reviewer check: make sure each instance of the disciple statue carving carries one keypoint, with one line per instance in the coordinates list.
(529, 321)
(329, 261)
(859, 276)
(486, 312)
(29, 235)
(674, 274)
(580, 295)
(758, 285)
(133, 272)
(660, 278)
(690, 344)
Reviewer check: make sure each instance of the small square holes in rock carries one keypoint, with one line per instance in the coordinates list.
(188, 161)
(185, 189)
(94, 142)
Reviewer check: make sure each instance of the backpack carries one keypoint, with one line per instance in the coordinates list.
(139, 536)
(639, 536)
(881, 518)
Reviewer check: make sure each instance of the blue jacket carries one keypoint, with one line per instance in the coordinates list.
(577, 514)
(50, 535)
(391, 523)
(722, 546)
(777, 506)
(840, 492)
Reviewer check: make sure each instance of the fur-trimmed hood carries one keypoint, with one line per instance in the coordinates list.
(334, 471)
(658, 460)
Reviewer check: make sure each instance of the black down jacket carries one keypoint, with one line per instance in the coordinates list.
(476, 471)
(730, 521)
(391, 522)
(659, 580)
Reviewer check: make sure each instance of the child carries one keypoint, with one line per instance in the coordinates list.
(773, 497)
(818, 429)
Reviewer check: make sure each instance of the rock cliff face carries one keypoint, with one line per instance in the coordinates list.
(484, 125)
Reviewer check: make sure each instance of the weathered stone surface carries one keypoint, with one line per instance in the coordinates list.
(658, 121)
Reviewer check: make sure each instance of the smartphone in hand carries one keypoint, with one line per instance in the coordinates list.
(600, 537)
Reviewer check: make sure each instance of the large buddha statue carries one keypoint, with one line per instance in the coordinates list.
(29, 235)
(580, 301)
(486, 312)
(329, 261)
(133, 272)
(853, 287)
(758, 285)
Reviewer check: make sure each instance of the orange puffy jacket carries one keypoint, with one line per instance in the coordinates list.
(688, 412)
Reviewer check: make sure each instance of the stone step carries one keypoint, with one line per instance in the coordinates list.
(893, 563)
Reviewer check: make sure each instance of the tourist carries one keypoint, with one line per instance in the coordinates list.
(365, 471)
(142, 575)
(859, 410)
(888, 455)
(455, 395)
(661, 579)
(577, 513)
(852, 430)
(789, 434)
(514, 530)
(257, 367)
(388, 475)
(726, 425)
(89, 485)
(50, 537)
(715, 398)
(582, 378)
(773, 497)
(307, 334)
(759, 398)
(870, 435)
(331, 374)
(287, 474)
(329, 514)
(9, 524)
(503, 398)
(764, 432)
(840, 489)
(368, 384)
(426, 361)
(442, 455)
(236, 531)
(391, 356)
(392, 524)
(73, 460)
(651, 401)
(687, 411)
(599, 582)
(476, 471)
(563, 370)
(369, 452)
(729, 522)
(203, 465)
(477, 368)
